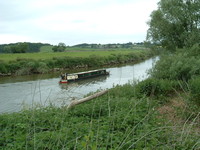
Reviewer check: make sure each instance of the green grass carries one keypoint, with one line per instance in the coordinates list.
(51, 55)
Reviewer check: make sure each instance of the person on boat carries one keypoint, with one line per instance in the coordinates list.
(64, 76)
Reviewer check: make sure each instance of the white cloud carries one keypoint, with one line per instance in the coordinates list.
(76, 21)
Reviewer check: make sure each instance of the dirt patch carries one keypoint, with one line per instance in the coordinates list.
(169, 110)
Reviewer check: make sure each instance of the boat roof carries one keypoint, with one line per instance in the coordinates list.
(87, 71)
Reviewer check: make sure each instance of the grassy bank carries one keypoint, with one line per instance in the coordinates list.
(75, 54)
(121, 119)
(29, 63)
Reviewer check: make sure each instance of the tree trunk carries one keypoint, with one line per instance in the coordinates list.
(76, 102)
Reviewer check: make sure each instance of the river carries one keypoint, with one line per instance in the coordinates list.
(24, 92)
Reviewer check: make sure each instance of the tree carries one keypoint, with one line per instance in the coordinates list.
(176, 23)
(60, 48)
(20, 48)
(7, 49)
(16, 48)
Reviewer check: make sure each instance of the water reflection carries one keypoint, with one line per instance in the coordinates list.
(78, 83)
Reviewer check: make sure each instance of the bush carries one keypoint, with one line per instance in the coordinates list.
(43, 68)
(194, 85)
(156, 87)
(176, 67)
(3, 68)
(13, 66)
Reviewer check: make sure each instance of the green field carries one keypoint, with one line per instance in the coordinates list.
(48, 48)
(50, 55)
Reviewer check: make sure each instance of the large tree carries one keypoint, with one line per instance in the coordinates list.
(176, 23)
(60, 48)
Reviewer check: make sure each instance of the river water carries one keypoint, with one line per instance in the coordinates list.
(24, 92)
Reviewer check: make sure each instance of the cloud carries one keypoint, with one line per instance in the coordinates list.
(76, 21)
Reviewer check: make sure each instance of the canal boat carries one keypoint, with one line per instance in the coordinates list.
(65, 78)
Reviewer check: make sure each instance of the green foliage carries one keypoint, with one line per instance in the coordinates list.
(182, 66)
(156, 87)
(175, 24)
(107, 46)
(60, 48)
(113, 121)
(21, 47)
(194, 87)
(194, 50)
(3, 68)
(43, 68)
(98, 124)
(17, 48)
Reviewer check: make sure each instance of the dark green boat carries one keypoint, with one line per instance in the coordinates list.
(65, 78)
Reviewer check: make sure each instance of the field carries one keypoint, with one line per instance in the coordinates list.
(49, 49)
(50, 55)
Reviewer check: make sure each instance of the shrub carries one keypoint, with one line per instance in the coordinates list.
(194, 85)
(13, 66)
(176, 67)
(156, 87)
(43, 68)
(3, 68)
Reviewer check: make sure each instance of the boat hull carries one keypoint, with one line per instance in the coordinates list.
(63, 81)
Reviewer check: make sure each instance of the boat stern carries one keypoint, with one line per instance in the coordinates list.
(63, 81)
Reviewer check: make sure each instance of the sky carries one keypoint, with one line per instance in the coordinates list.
(75, 21)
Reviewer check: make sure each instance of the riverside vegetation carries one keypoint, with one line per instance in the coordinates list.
(29, 63)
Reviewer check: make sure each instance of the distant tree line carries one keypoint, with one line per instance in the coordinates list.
(27, 47)
(107, 46)
(21, 47)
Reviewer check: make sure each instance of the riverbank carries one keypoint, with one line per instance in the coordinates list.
(38, 63)
(121, 119)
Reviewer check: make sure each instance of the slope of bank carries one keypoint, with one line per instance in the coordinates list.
(120, 119)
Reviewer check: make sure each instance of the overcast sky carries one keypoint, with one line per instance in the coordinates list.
(74, 21)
